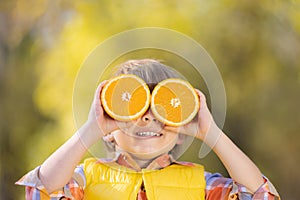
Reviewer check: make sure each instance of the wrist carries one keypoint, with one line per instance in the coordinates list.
(213, 135)
(89, 133)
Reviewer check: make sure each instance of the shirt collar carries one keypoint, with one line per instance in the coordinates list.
(126, 160)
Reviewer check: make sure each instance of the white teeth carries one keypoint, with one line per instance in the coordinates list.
(148, 134)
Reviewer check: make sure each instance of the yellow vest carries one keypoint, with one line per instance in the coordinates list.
(108, 181)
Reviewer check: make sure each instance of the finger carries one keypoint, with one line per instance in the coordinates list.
(97, 100)
(98, 91)
(202, 98)
(172, 129)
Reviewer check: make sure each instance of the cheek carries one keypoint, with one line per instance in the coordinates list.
(170, 137)
(120, 137)
(125, 126)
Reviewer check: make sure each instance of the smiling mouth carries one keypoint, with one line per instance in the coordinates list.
(148, 134)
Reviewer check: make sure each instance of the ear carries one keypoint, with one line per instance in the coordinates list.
(180, 139)
(108, 138)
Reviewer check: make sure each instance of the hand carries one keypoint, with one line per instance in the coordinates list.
(201, 125)
(204, 120)
(97, 113)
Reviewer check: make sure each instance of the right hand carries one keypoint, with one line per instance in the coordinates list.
(97, 113)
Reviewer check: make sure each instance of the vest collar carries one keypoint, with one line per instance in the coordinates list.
(126, 160)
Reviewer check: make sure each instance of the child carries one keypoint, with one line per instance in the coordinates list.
(145, 168)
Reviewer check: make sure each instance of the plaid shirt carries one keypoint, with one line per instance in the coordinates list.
(217, 187)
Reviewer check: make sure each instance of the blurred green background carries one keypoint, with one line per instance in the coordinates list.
(255, 44)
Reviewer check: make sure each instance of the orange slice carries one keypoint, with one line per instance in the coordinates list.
(125, 97)
(174, 102)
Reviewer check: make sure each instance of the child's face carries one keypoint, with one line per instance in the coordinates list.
(145, 137)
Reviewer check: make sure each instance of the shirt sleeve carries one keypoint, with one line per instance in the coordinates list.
(219, 187)
(34, 189)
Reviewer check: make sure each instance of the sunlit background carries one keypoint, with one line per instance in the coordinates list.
(255, 44)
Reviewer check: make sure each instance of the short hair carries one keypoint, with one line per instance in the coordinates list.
(152, 72)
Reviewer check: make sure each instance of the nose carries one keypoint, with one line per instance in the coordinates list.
(148, 117)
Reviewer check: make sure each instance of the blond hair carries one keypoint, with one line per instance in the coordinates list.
(150, 70)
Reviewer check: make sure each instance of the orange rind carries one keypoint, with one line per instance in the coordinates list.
(174, 102)
(125, 97)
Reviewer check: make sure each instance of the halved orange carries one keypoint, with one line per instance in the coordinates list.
(174, 102)
(125, 97)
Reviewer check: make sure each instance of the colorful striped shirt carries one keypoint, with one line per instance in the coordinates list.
(217, 186)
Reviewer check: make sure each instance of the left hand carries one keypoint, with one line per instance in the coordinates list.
(200, 125)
